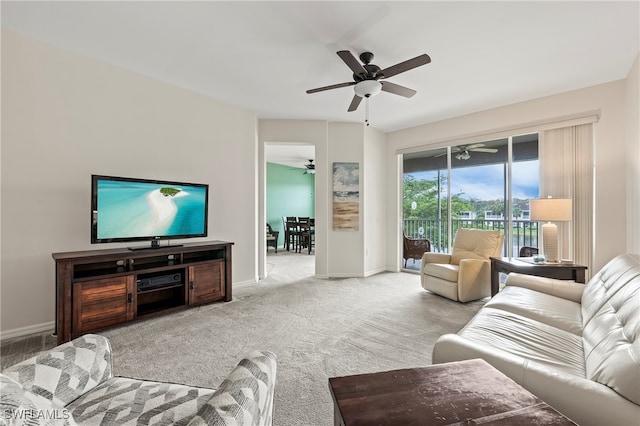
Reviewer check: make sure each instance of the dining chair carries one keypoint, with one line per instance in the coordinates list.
(292, 233)
(307, 234)
(527, 251)
(272, 238)
(287, 237)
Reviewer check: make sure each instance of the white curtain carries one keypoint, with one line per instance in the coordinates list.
(566, 171)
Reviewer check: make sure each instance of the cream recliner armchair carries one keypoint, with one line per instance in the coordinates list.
(465, 274)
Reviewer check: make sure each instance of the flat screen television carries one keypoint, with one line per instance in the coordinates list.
(129, 209)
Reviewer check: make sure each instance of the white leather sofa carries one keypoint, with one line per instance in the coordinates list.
(575, 346)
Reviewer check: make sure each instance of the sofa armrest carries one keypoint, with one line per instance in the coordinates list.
(430, 257)
(66, 372)
(584, 401)
(245, 397)
(474, 278)
(560, 288)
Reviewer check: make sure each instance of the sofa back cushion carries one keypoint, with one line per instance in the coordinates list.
(476, 244)
(611, 326)
(67, 371)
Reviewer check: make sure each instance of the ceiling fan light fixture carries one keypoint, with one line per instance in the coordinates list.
(367, 88)
(463, 155)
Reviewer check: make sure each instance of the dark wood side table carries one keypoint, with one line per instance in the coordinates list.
(525, 265)
(464, 392)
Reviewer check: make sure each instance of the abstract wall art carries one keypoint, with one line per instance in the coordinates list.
(346, 196)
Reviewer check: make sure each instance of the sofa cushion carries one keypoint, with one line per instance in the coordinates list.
(21, 407)
(527, 338)
(442, 270)
(611, 326)
(125, 401)
(547, 309)
(474, 244)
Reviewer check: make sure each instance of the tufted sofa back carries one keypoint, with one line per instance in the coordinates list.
(611, 326)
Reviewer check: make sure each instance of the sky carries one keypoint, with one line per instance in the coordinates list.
(487, 182)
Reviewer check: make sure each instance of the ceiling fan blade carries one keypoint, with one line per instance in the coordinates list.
(396, 89)
(490, 150)
(405, 66)
(351, 62)
(354, 103)
(333, 86)
(475, 145)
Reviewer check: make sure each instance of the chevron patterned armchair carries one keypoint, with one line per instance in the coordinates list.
(73, 384)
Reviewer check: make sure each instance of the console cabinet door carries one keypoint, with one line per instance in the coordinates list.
(102, 303)
(206, 282)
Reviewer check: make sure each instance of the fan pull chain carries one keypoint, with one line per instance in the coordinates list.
(366, 110)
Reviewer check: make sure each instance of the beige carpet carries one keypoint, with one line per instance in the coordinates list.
(318, 329)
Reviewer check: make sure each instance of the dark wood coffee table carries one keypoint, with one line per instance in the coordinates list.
(525, 265)
(440, 394)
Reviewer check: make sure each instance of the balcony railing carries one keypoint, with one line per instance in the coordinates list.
(525, 232)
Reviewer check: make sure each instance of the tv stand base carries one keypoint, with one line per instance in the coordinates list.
(98, 289)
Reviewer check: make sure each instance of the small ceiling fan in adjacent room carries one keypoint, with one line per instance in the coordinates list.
(462, 152)
(311, 168)
(366, 76)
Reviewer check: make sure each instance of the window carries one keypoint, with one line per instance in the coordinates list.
(484, 185)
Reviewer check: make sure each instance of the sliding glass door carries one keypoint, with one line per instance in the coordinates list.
(484, 185)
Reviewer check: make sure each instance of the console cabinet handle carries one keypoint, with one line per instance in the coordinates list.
(130, 297)
(191, 285)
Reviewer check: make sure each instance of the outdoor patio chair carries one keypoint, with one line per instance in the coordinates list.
(414, 248)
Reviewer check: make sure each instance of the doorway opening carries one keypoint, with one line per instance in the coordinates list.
(290, 200)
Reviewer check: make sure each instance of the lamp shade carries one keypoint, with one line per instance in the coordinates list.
(551, 209)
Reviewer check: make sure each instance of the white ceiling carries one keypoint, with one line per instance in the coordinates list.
(293, 155)
(263, 56)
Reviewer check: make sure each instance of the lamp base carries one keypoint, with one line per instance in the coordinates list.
(550, 242)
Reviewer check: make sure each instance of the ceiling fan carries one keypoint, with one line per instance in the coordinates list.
(311, 168)
(462, 152)
(366, 76)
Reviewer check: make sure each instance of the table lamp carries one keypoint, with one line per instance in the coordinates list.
(551, 210)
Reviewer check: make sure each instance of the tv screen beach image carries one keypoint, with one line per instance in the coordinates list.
(141, 209)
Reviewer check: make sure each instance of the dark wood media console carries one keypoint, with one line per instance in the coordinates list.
(100, 288)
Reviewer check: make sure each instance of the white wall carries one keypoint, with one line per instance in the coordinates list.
(611, 185)
(346, 247)
(374, 202)
(633, 157)
(64, 117)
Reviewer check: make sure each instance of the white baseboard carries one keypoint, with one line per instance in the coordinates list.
(346, 275)
(375, 272)
(30, 329)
